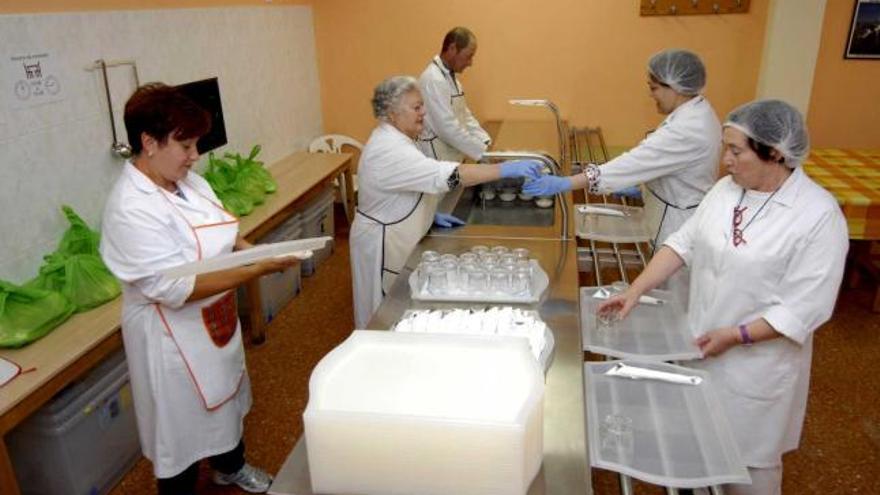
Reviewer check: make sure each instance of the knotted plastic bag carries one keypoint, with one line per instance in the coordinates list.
(27, 314)
(82, 278)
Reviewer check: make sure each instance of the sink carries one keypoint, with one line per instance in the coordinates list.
(475, 211)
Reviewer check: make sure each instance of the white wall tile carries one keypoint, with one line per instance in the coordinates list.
(58, 153)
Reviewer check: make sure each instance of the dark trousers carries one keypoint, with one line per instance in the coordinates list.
(185, 482)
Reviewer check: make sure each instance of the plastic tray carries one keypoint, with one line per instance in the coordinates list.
(649, 332)
(545, 359)
(246, 257)
(680, 436)
(539, 283)
(592, 224)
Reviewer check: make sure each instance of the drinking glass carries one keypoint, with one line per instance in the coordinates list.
(430, 255)
(521, 253)
(477, 281)
(521, 281)
(499, 281)
(468, 258)
(479, 250)
(500, 250)
(438, 280)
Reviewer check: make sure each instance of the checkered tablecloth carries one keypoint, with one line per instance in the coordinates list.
(853, 177)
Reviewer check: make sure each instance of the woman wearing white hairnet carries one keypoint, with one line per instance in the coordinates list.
(678, 162)
(766, 248)
(398, 192)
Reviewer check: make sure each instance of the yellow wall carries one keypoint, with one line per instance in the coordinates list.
(588, 56)
(21, 7)
(846, 92)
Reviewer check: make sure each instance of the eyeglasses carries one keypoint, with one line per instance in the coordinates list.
(737, 220)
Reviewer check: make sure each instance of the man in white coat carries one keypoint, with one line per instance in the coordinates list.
(766, 247)
(677, 162)
(451, 132)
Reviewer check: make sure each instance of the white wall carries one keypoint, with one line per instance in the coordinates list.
(58, 153)
(794, 29)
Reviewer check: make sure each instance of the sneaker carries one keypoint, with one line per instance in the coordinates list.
(248, 478)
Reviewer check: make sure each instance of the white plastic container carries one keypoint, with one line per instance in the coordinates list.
(395, 413)
(317, 221)
(83, 441)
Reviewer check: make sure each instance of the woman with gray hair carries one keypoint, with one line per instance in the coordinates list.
(398, 192)
(766, 249)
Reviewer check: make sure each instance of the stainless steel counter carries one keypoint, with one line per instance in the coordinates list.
(565, 470)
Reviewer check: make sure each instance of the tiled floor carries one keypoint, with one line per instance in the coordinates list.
(840, 448)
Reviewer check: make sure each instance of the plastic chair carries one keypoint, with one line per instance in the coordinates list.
(334, 143)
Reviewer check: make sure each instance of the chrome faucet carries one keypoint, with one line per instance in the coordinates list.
(544, 158)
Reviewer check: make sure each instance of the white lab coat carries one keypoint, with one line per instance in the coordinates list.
(451, 131)
(398, 195)
(788, 273)
(184, 413)
(678, 163)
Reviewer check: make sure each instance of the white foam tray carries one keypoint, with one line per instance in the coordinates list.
(539, 283)
(546, 357)
(300, 248)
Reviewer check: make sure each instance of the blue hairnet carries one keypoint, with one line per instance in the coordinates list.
(681, 70)
(774, 123)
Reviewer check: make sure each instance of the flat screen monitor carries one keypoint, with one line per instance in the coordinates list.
(206, 93)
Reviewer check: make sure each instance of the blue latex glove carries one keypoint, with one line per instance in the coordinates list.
(446, 220)
(634, 192)
(547, 185)
(521, 168)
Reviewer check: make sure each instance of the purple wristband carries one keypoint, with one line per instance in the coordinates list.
(744, 335)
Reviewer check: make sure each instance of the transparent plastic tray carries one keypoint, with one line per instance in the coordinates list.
(651, 332)
(611, 223)
(678, 436)
(539, 283)
(545, 359)
(248, 256)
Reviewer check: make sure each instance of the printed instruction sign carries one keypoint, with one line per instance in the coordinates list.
(31, 79)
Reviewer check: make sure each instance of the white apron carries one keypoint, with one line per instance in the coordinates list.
(463, 135)
(392, 242)
(207, 331)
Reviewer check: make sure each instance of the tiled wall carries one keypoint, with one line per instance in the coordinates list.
(58, 152)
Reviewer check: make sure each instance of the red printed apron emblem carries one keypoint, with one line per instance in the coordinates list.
(221, 319)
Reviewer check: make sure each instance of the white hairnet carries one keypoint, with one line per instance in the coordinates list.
(387, 94)
(774, 123)
(681, 70)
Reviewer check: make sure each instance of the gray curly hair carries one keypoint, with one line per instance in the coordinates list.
(387, 95)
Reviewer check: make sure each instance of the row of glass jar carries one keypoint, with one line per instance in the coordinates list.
(482, 270)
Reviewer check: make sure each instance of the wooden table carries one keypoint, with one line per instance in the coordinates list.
(853, 178)
(75, 347)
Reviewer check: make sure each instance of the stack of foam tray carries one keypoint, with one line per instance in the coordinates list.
(83, 440)
(431, 414)
(651, 332)
(670, 434)
(317, 221)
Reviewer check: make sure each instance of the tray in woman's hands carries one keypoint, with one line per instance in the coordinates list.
(611, 223)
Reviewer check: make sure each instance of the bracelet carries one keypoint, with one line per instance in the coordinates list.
(744, 335)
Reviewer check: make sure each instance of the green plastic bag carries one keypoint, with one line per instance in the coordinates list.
(82, 278)
(237, 203)
(79, 238)
(239, 182)
(27, 314)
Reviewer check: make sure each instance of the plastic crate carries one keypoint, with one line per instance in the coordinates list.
(276, 289)
(83, 441)
(317, 221)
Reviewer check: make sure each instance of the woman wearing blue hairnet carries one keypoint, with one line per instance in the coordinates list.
(766, 249)
(678, 162)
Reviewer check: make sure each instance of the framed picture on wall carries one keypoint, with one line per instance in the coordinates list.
(864, 31)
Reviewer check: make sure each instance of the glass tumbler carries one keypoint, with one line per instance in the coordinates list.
(521, 253)
(438, 280)
(468, 257)
(477, 281)
(500, 250)
(422, 271)
(520, 282)
(616, 438)
(479, 250)
(605, 325)
(430, 255)
(449, 257)
(499, 281)
(451, 268)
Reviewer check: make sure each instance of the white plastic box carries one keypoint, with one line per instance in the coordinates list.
(318, 221)
(276, 289)
(83, 441)
(395, 413)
